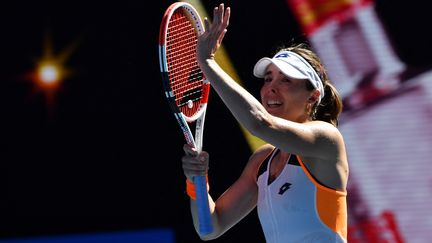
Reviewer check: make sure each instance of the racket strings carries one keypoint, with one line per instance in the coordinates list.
(186, 78)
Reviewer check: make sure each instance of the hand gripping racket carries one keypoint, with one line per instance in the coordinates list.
(186, 87)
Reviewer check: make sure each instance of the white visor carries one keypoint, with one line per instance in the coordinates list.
(292, 65)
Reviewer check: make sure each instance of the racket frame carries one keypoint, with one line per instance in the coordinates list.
(204, 217)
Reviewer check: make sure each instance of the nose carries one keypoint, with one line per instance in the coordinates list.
(272, 86)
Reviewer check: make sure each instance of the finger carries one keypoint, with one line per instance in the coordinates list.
(227, 16)
(220, 13)
(194, 169)
(204, 157)
(189, 150)
(202, 160)
(221, 36)
(206, 24)
(191, 160)
(215, 15)
(191, 174)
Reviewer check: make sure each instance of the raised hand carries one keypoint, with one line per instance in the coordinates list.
(210, 41)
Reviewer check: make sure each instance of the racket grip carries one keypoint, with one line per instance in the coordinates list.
(204, 218)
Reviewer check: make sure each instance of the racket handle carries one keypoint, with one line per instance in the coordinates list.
(204, 218)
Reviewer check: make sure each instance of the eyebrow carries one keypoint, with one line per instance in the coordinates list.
(270, 72)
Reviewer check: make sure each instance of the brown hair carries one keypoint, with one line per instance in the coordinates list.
(331, 105)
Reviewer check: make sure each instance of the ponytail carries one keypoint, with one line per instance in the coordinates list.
(330, 106)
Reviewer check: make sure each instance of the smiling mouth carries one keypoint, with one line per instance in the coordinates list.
(273, 103)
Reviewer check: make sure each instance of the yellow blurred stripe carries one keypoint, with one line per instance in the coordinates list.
(224, 61)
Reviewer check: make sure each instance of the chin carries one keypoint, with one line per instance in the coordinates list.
(274, 112)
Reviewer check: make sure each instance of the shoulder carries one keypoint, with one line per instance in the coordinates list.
(321, 125)
(327, 140)
(261, 153)
(256, 159)
(324, 130)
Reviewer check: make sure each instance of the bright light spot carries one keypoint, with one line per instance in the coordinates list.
(49, 71)
(48, 74)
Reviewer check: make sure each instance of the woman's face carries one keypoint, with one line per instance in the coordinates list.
(285, 97)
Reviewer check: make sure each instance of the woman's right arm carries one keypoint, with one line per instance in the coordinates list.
(236, 202)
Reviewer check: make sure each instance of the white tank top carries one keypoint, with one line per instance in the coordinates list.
(296, 208)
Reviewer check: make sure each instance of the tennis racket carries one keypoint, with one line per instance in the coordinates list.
(186, 87)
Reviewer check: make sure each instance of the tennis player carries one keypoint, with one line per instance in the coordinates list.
(298, 179)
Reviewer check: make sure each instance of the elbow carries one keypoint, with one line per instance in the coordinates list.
(259, 125)
(216, 233)
(207, 238)
(212, 236)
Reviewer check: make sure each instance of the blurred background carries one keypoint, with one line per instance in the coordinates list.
(90, 152)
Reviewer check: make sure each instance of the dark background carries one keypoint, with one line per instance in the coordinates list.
(104, 154)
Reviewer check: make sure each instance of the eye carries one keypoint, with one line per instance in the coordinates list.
(267, 79)
(286, 80)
